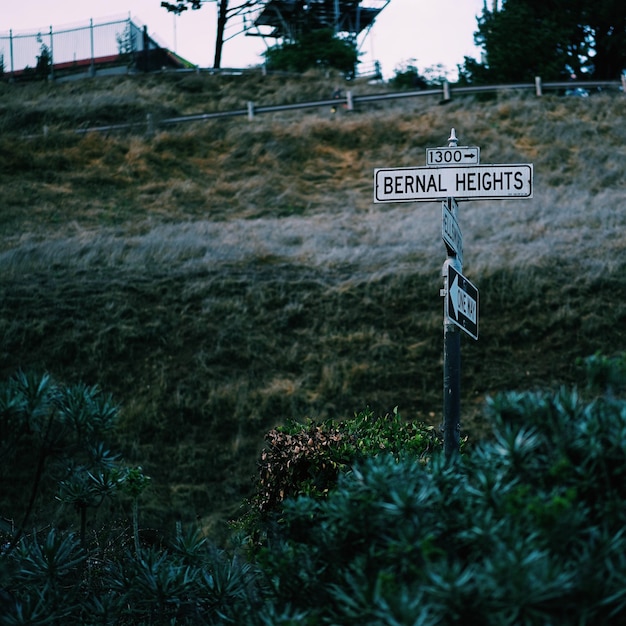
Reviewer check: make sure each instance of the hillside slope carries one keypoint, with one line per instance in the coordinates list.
(223, 276)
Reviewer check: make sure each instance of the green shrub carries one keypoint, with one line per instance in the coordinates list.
(54, 446)
(605, 374)
(527, 528)
(306, 459)
(377, 528)
(53, 580)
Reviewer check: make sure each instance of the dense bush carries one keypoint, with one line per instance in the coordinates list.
(527, 528)
(371, 525)
(306, 459)
(51, 579)
(55, 447)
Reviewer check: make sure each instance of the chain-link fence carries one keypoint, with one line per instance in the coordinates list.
(90, 48)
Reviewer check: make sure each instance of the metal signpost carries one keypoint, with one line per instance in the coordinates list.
(454, 173)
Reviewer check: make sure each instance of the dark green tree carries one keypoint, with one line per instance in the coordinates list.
(44, 62)
(528, 38)
(606, 27)
(408, 77)
(320, 48)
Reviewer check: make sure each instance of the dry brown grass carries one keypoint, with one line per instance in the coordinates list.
(222, 276)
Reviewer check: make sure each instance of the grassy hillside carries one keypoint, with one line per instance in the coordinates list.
(222, 276)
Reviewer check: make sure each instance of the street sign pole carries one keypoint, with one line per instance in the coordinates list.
(451, 373)
(451, 351)
(454, 173)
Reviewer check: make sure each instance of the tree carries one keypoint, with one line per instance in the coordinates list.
(528, 38)
(607, 29)
(44, 62)
(320, 48)
(54, 441)
(44, 59)
(225, 12)
(408, 77)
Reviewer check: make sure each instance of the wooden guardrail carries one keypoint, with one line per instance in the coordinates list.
(350, 101)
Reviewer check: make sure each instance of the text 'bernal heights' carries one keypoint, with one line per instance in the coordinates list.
(426, 183)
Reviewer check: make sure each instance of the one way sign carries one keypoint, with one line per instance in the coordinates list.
(462, 302)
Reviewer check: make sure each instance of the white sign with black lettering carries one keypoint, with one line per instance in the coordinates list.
(417, 184)
(450, 229)
(447, 157)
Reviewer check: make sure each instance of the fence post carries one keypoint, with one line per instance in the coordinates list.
(51, 56)
(538, 87)
(349, 101)
(149, 124)
(146, 51)
(92, 64)
(11, 52)
(624, 83)
(446, 91)
(250, 110)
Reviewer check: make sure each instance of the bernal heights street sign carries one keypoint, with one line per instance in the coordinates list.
(413, 184)
(454, 173)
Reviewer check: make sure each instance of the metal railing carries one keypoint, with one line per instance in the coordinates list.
(350, 101)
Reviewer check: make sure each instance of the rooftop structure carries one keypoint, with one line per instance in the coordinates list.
(286, 19)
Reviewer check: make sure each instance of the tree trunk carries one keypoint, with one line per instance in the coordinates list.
(222, 18)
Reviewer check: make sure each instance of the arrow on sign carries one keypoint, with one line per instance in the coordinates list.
(462, 302)
(462, 307)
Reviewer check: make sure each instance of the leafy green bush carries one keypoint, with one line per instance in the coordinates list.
(377, 527)
(53, 580)
(306, 459)
(54, 445)
(527, 528)
(605, 374)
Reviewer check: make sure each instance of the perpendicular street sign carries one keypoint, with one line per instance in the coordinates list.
(450, 229)
(450, 156)
(417, 184)
(462, 302)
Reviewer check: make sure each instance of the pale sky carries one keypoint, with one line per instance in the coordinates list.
(423, 33)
